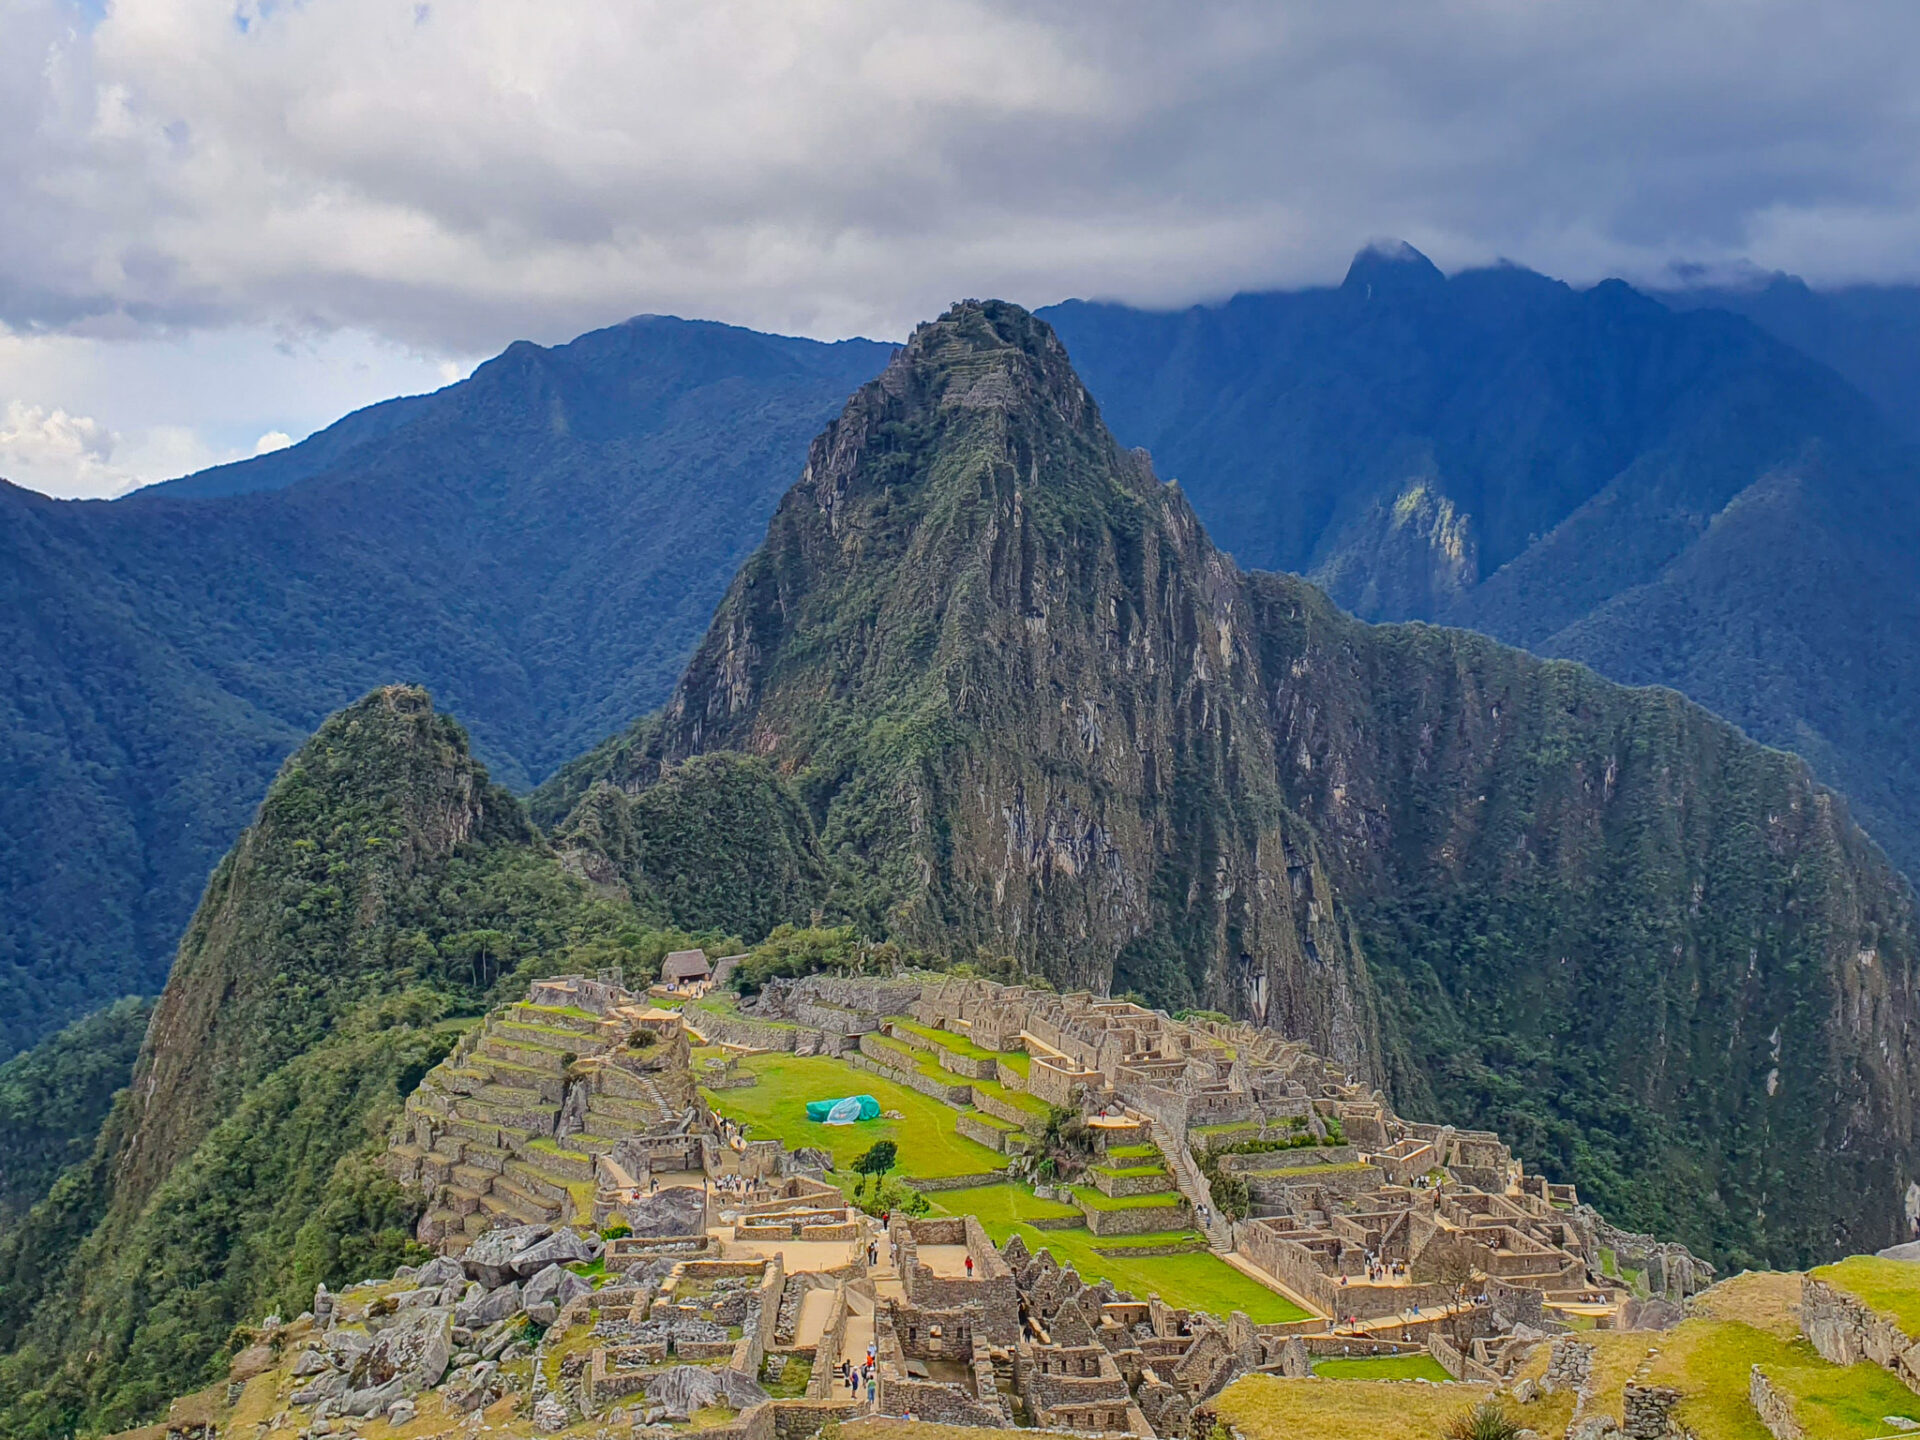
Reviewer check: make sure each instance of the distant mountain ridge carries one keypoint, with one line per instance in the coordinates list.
(1674, 498)
(1668, 497)
(542, 543)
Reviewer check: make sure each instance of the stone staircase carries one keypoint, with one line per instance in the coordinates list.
(481, 1133)
(1193, 1185)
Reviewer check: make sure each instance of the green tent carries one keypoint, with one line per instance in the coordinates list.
(844, 1111)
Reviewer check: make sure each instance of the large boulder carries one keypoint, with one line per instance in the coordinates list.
(489, 1259)
(563, 1247)
(332, 1383)
(439, 1271)
(555, 1285)
(687, 1388)
(372, 1399)
(411, 1353)
(472, 1388)
(677, 1210)
(494, 1305)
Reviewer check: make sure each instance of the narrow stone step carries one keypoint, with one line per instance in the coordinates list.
(476, 1178)
(536, 1182)
(503, 1204)
(459, 1200)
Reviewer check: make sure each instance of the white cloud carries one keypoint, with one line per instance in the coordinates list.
(451, 177)
(271, 441)
(75, 451)
(462, 174)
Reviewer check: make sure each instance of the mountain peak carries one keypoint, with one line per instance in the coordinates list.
(987, 355)
(1388, 266)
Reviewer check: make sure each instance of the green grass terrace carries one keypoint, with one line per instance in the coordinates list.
(775, 1108)
(1195, 1281)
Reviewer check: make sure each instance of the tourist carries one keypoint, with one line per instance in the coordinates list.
(969, 1267)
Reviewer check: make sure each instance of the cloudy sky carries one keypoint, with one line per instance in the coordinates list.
(229, 221)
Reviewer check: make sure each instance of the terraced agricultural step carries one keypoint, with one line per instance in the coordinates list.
(621, 1115)
(543, 1037)
(531, 1057)
(587, 1144)
(562, 1161)
(477, 1178)
(502, 1206)
(552, 1019)
(532, 1122)
(534, 1182)
(459, 1200)
(543, 1080)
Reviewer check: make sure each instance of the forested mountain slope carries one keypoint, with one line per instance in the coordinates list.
(1674, 498)
(385, 886)
(1032, 708)
(542, 544)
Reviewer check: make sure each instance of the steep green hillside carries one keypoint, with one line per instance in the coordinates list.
(1673, 498)
(54, 1096)
(721, 843)
(382, 890)
(542, 544)
(1031, 707)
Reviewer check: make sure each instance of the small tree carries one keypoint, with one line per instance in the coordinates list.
(878, 1160)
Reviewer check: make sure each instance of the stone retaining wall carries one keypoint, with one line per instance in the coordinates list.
(969, 1067)
(974, 1128)
(1120, 1187)
(1136, 1219)
(956, 1182)
(1844, 1330)
(803, 1419)
(753, 1034)
(875, 1059)
(1772, 1408)
(1012, 1114)
(1122, 1252)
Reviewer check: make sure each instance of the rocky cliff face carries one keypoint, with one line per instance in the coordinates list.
(1020, 689)
(1032, 708)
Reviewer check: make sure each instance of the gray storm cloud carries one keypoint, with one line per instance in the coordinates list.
(454, 174)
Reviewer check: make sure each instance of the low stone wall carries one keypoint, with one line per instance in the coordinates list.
(735, 1030)
(1772, 1408)
(869, 1059)
(1459, 1366)
(974, 1128)
(1123, 1252)
(1012, 1114)
(803, 1419)
(968, 1066)
(1336, 1347)
(956, 1182)
(1136, 1219)
(1121, 1187)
